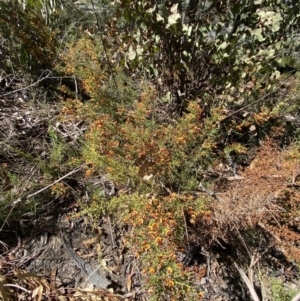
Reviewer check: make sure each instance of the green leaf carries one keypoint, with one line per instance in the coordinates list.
(258, 34)
(187, 29)
(271, 53)
(139, 50)
(167, 98)
(127, 14)
(223, 45)
(174, 8)
(185, 53)
(159, 18)
(275, 75)
(270, 19)
(172, 19)
(153, 70)
(151, 10)
(131, 54)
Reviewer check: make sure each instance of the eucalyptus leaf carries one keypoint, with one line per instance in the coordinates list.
(258, 34)
(185, 28)
(139, 50)
(127, 14)
(131, 54)
(172, 19)
(151, 10)
(223, 45)
(159, 18)
(174, 8)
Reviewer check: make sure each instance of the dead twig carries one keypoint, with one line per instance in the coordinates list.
(18, 287)
(248, 283)
(186, 230)
(111, 233)
(56, 181)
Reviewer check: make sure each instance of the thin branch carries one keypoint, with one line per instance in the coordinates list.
(254, 102)
(56, 181)
(248, 283)
(186, 231)
(6, 218)
(76, 88)
(32, 85)
(17, 286)
(111, 233)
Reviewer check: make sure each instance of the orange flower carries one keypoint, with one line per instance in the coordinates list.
(200, 295)
(169, 283)
(159, 240)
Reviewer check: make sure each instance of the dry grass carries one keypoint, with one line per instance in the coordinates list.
(265, 195)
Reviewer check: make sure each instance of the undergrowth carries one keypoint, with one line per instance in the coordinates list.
(215, 169)
(278, 291)
(203, 171)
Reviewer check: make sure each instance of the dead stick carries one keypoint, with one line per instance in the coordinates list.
(56, 181)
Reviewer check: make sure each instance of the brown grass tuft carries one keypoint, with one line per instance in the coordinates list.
(266, 196)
